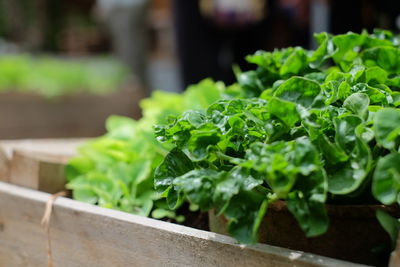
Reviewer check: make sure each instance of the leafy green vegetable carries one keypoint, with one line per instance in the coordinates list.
(390, 224)
(299, 90)
(116, 170)
(308, 127)
(387, 127)
(358, 104)
(386, 183)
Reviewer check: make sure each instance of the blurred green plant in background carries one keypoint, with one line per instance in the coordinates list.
(52, 77)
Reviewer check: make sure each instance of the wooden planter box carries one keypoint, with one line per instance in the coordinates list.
(87, 235)
(28, 115)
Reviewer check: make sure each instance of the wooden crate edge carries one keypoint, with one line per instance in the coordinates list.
(149, 241)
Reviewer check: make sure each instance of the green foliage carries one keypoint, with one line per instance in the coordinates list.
(386, 184)
(308, 127)
(387, 128)
(54, 77)
(390, 224)
(116, 170)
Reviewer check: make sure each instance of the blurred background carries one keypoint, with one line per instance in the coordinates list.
(65, 65)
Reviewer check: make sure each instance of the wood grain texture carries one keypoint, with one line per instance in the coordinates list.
(58, 147)
(40, 171)
(86, 235)
(4, 166)
(29, 115)
(395, 255)
(37, 164)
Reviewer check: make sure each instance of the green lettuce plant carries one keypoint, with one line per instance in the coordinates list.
(116, 170)
(307, 127)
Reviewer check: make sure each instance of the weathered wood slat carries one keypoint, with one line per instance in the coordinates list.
(58, 147)
(4, 166)
(86, 235)
(395, 256)
(38, 171)
(37, 164)
(29, 115)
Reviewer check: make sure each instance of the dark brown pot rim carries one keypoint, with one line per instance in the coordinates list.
(349, 211)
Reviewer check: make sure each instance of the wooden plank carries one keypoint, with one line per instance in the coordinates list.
(4, 166)
(63, 147)
(395, 255)
(29, 115)
(37, 164)
(86, 235)
(40, 171)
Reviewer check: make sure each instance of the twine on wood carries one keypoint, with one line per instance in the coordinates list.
(45, 223)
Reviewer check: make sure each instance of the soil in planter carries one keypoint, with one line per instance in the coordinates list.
(198, 220)
(193, 219)
(354, 233)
